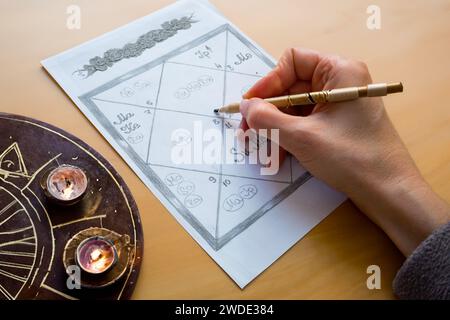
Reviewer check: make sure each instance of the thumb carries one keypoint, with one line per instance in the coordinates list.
(260, 114)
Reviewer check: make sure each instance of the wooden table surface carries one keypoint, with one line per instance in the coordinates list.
(330, 262)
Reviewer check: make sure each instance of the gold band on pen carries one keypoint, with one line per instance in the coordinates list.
(290, 101)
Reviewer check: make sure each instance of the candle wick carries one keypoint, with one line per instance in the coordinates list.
(56, 186)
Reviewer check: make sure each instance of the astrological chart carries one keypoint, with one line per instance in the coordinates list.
(144, 109)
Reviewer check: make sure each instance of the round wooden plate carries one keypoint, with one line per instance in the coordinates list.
(34, 231)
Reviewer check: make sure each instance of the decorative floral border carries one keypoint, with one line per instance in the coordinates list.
(134, 49)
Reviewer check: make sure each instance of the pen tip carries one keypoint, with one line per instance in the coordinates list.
(216, 110)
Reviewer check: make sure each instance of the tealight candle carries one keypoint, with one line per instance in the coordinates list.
(66, 184)
(96, 255)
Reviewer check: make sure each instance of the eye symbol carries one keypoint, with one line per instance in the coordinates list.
(8, 163)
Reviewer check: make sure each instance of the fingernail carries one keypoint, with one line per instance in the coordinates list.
(244, 107)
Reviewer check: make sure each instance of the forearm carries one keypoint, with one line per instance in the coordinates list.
(407, 210)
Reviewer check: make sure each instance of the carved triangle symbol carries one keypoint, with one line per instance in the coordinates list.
(11, 162)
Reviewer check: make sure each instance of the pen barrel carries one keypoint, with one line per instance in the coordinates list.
(279, 102)
(344, 94)
(231, 108)
(333, 95)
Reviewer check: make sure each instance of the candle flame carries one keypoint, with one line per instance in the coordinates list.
(100, 259)
(68, 190)
(96, 255)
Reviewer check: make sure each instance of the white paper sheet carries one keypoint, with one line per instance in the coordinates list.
(146, 91)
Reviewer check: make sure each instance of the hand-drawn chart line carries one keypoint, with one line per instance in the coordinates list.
(154, 112)
(125, 148)
(217, 173)
(215, 69)
(125, 103)
(223, 139)
(161, 108)
(263, 209)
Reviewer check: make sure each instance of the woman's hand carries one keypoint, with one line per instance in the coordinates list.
(352, 146)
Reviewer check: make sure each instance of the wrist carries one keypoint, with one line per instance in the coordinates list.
(405, 207)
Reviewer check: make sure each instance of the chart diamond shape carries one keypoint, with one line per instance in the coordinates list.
(218, 200)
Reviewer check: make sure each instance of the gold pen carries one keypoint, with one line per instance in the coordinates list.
(333, 95)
